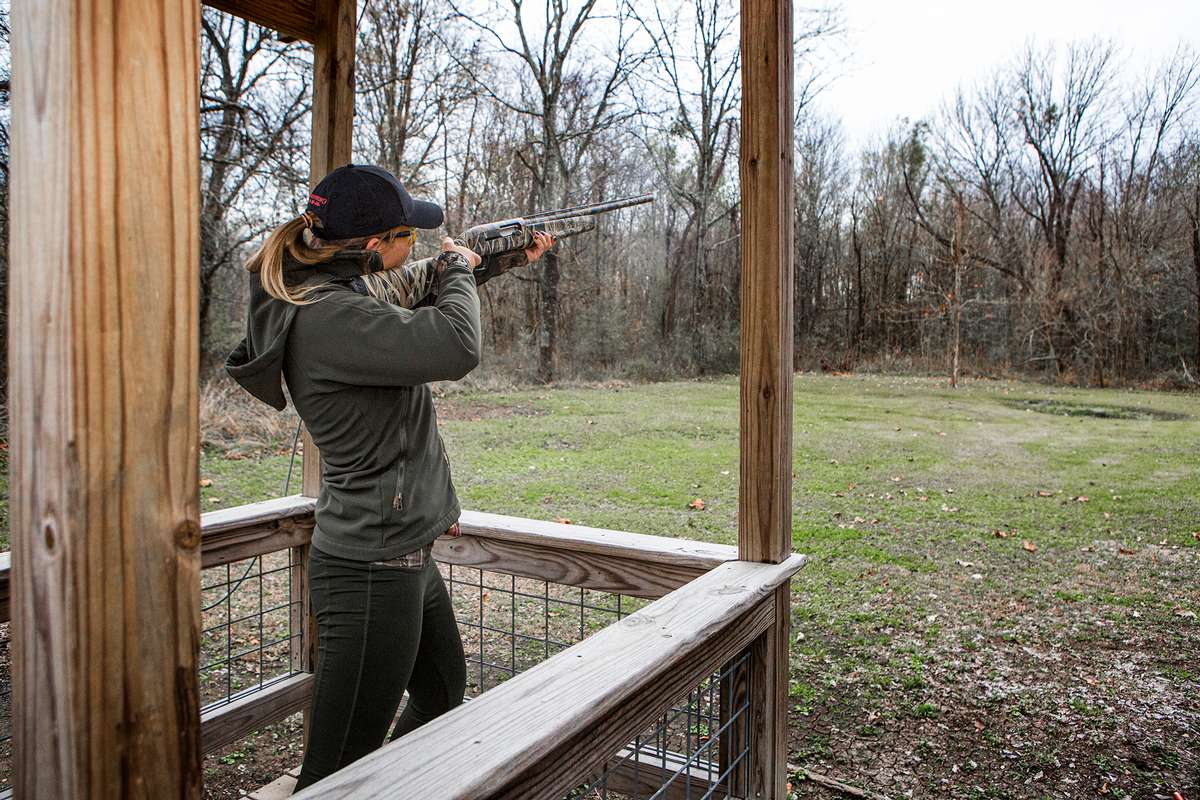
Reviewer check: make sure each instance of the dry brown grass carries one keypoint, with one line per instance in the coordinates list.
(233, 421)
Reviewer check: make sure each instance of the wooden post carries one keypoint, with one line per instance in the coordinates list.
(103, 356)
(332, 133)
(765, 496)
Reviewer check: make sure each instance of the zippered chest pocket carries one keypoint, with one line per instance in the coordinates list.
(393, 497)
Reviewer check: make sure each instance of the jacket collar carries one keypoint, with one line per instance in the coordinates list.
(343, 266)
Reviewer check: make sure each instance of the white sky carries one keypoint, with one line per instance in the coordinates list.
(907, 55)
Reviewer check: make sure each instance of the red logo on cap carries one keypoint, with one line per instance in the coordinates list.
(317, 200)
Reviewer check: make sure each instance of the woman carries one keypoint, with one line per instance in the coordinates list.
(356, 369)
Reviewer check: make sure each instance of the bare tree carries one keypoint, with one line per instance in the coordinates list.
(1062, 113)
(564, 96)
(696, 72)
(821, 200)
(410, 86)
(253, 94)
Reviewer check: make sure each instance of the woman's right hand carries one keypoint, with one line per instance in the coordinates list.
(448, 246)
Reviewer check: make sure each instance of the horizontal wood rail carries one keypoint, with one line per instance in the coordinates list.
(233, 534)
(231, 722)
(609, 561)
(294, 18)
(575, 555)
(593, 558)
(547, 729)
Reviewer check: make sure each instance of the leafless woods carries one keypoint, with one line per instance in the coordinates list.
(1045, 221)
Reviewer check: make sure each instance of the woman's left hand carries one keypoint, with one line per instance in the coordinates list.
(541, 243)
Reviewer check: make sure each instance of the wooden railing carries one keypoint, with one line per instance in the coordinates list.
(550, 728)
(574, 555)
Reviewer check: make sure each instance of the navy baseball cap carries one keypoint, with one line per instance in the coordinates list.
(360, 200)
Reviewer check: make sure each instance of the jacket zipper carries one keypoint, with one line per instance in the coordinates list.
(398, 498)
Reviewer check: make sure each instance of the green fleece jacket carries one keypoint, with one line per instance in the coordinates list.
(356, 370)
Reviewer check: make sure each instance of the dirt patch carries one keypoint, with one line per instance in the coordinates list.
(981, 683)
(1066, 408)
(252, 763)
(452, 409)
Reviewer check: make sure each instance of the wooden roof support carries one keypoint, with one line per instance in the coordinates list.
(295, 18)
(765, 494)
(103, 354)
(765, 500)
(332, 132)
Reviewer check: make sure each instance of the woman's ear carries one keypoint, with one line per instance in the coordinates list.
(373, 243)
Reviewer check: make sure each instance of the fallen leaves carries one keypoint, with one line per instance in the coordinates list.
(999, 534)
(205, 483)
(1028, 546)
(1080, 499)
(1126, 551)
(562, 520)
(1044, 493)
(697, 504)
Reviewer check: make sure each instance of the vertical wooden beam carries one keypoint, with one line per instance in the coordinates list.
(332, 137)
(332, 133)
(104, 362)
(765, 496)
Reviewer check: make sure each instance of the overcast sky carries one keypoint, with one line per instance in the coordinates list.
(906, 55)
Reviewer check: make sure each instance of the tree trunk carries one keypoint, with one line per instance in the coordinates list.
(548, 318)
(1196, 264)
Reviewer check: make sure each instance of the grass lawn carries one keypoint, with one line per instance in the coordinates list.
(1002, 599)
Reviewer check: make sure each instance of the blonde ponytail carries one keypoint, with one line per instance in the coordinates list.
(292, 239)
(289, 239)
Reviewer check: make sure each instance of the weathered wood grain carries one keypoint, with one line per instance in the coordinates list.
(574, 555)
(556, 723)
(214, 523)
(103, 360)
(230, 723)
(735, 712)
(614, 561)
(768, 679)
(265, 528)
(701, 556)
(601, 572)
(295, 18)
(765, 494)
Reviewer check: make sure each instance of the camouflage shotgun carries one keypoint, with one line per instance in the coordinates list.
(500, 244)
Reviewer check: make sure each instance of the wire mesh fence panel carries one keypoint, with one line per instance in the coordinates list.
(248, 630)
(697, 750)
(251, 634)
(509, 624)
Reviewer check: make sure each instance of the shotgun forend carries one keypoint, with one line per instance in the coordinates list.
(410, 283)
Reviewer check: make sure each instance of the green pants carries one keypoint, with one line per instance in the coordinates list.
(381, 629)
